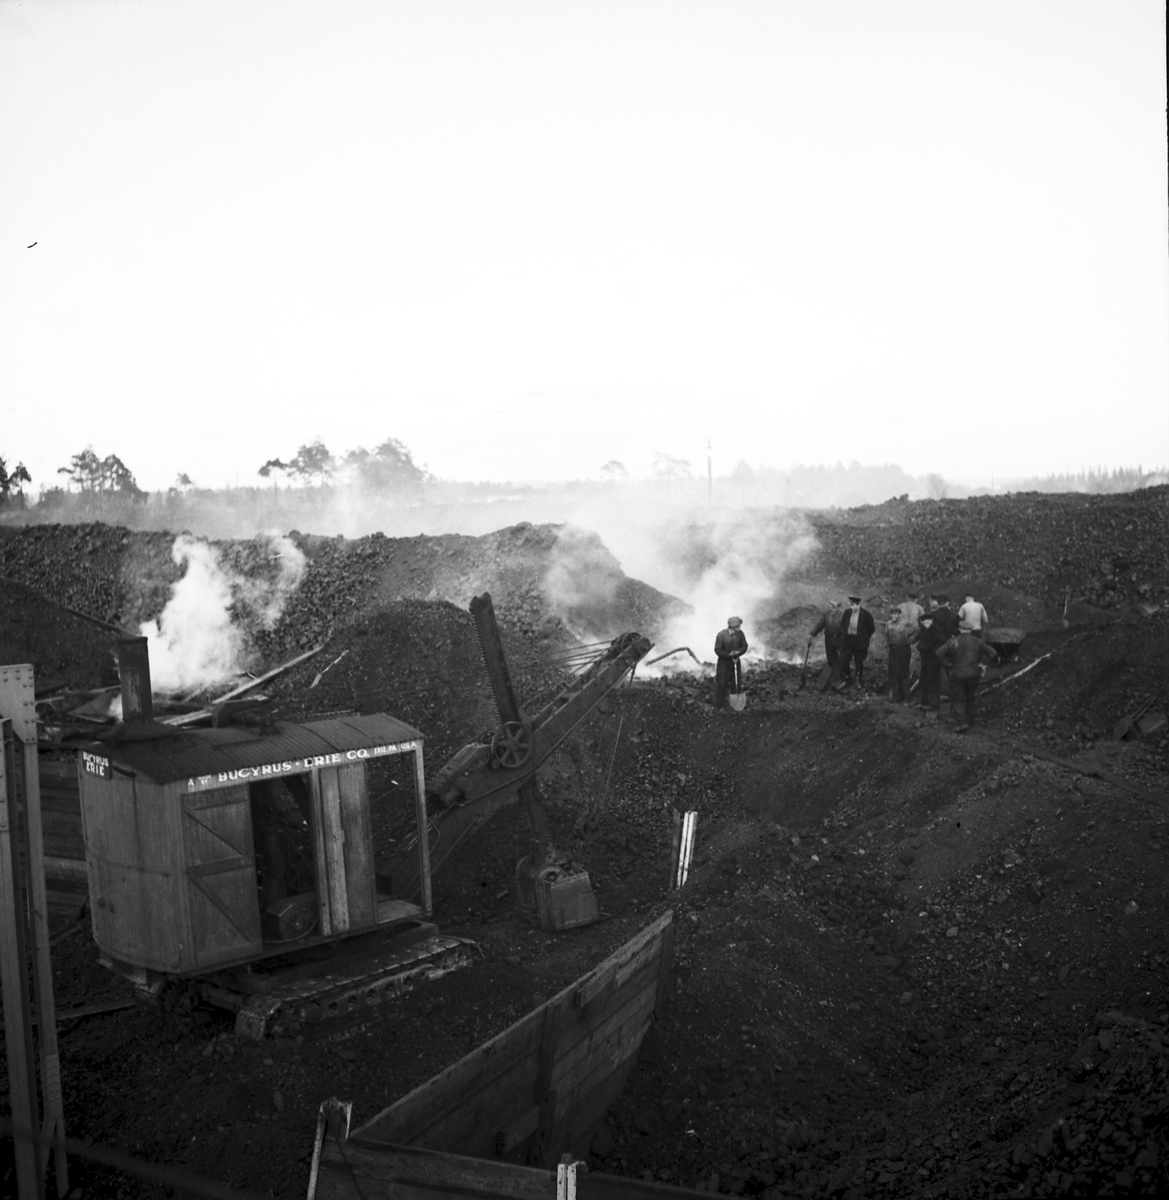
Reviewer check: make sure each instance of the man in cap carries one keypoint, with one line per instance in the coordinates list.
(963, 656)
(938, 626)
(729, 646)
(900, 636)
(858, 628)
(911, 614)
(829, 624)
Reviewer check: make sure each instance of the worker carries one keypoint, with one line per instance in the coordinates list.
(911, 612)
(937, 626)
(858, 628)
(829, 624)
(729, 646)
(972, 617)
(963, 656)
(900, 636)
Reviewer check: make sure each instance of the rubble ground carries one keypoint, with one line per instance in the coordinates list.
(908, 962)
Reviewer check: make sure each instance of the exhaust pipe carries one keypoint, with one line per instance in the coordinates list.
(134, 670)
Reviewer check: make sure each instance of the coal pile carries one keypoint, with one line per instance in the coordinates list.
(1104, 550)
(552, 585)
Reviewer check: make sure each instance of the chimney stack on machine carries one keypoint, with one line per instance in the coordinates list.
(134, 669)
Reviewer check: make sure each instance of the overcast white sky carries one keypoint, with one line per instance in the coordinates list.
(527, 238)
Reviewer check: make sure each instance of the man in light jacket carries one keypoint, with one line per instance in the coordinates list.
(972, 617)
(900, 636)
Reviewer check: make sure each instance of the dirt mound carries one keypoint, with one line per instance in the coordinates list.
(1106, 550)
(65, 651)
(551, 584)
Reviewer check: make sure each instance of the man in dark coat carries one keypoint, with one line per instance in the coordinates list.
(938, 626)
(857, 628)
(829, 624)
(729, 646)
(963, 656)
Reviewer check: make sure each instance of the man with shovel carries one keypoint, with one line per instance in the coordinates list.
(829, 624)
(729, 646)
(899, 636)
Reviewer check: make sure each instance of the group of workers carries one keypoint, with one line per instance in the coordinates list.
(954, 642)
(945, 639)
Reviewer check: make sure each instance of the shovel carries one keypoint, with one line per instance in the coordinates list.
(738, 697)
(804, 672)
(1123, 727)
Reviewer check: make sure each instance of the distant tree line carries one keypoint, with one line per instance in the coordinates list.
(105, 476)
(1098, 480)
(389, 467)
(12, 482)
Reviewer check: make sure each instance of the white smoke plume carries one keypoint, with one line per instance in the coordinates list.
(741, 571)
(720, 562)
(267, 597)
(198, 640)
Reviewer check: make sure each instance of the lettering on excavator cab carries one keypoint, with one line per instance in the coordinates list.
(96, 764)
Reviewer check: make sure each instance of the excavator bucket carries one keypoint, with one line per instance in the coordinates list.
(559, 896)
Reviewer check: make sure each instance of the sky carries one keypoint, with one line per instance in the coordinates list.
(527, 238)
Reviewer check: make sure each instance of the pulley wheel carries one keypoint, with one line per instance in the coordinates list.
(511, 745)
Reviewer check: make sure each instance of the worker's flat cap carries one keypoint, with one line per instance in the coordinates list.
(854, 599)
(734, 622)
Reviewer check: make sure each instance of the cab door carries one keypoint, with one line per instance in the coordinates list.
(221, 875)
(347, 887)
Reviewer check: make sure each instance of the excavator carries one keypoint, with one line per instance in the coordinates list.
(239, 862)
(484, 777)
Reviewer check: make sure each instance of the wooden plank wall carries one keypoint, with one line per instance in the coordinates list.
(353, 1169)
(65, 877)
(540, 1088)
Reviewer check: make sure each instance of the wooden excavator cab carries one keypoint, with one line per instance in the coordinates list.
(213, 848)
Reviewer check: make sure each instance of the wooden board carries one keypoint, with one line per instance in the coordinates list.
(66, 885)
(541, 1086)
(357, 825)
(134, 859)
(355, 1169)
(220, 871)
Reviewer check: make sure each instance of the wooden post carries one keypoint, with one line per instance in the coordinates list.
(18, 1040)
(543, 1094)
(18, 702)
(423, 831)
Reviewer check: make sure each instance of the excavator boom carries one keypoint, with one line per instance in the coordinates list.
(481, 779)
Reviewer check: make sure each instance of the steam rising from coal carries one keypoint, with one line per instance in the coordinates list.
(201, 638)
(720, 563)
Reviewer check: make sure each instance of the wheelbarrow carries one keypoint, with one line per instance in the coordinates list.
(1005, 640)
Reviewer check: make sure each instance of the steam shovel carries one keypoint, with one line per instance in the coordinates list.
(804, 672)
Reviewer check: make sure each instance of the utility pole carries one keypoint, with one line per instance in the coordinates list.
(24, 934)
(709, 477)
